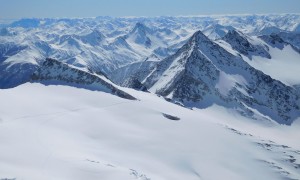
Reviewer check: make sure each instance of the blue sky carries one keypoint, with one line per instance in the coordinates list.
(91, 8)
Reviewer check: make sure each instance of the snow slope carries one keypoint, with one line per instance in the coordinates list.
(59, 132)
(283, 66)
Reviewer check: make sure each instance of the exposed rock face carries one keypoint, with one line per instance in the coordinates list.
(13, 74)
(243, 45)
(291, 38)
(274, 40)
(282, 39)
(202, 73)
(55, 72)
(134, 83)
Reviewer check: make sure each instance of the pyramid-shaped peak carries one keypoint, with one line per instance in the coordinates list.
(141, 27)
(244, 45)
(93, 38)
(233, 33)
(95, 34)
(234, 36)
(199, 37)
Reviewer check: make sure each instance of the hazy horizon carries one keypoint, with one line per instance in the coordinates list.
(16, 9)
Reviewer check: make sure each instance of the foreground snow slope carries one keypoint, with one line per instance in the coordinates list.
(59, 132)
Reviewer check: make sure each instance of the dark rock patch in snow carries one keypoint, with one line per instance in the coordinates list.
(173, 118)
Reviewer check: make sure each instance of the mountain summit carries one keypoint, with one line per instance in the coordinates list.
(245, 45)
(139, 35)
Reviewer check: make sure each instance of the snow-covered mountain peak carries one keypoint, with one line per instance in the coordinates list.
(210, 50)
(93, 38)
(71, 39)
(216, 31)
(274, 40)
(140, 35)
(246, 45)
(270, 30)
(235, 36)
(198, 38)
(96, 33)
(140, 28)
(121, 42)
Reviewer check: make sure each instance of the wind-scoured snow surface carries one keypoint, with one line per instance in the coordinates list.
(60, 132)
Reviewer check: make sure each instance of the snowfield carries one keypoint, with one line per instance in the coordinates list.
(284, 65)
(60, 132)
